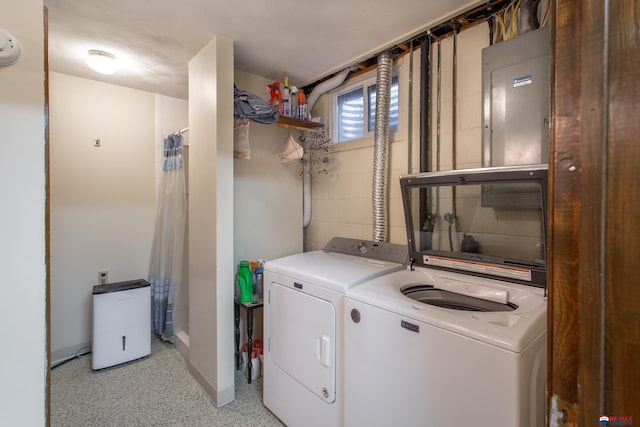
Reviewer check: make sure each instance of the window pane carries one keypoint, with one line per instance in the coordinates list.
(393, 106)
(350, 118)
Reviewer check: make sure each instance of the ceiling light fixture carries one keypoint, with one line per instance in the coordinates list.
(102, 62)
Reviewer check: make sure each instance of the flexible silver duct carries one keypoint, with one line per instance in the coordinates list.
(381, 147)
(526, 17)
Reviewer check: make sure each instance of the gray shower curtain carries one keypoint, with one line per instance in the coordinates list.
(165, 266)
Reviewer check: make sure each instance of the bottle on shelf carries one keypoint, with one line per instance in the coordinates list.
(302, 106)
(275, 95)
(244, 282)
(294, 101)
(286, 98)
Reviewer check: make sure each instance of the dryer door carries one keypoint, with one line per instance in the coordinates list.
(302, 339)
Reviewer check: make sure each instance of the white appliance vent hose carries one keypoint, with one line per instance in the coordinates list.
(326, 86)
(323, 87)
(306, 193)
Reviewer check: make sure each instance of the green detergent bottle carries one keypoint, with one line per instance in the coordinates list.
(245, 281)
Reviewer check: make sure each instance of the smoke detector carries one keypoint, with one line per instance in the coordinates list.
(9, 49)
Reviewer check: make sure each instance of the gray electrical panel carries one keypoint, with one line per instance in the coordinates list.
(515, 108)
(515, 112)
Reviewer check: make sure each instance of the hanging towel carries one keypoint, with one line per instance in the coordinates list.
(249, 106)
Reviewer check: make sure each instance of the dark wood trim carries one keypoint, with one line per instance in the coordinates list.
(592, 113)
(590, 104)
(563, 206)
(47, 217)
(594, 297)
(622, 196)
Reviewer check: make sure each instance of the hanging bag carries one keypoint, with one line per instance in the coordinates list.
(241, 147)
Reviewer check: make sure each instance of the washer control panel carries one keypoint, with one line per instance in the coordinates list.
(382, 251)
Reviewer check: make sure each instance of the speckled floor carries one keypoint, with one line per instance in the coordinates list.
(154, 391)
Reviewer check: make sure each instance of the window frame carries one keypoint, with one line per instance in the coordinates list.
(364, 84)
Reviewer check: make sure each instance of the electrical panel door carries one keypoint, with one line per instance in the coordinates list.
(515, 87)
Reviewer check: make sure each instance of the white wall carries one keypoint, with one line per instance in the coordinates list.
(211, 269)
(103, 201)
(267, 192)
(342, 202)
(22, 221)
(267, 203)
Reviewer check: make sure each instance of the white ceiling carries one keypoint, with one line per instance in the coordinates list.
(306, 40)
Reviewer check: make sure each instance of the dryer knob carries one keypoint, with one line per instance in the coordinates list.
(355, 315)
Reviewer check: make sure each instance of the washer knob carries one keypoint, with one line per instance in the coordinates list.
(355, 315)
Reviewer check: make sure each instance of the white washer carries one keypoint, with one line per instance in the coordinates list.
(303, 375)
(459, 338)
(413, 364)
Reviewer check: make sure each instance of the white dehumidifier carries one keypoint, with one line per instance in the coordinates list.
(121, 323)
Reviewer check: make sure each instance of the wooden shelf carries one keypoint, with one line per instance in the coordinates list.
(290, 122)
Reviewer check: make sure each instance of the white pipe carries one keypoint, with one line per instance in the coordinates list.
(326, 86)
(306, 193)
(323, 87)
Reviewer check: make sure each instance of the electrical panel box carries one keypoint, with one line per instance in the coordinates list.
(515, 111)
(515, 108)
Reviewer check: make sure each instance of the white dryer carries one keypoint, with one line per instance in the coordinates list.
(303, 375)
(459, 337)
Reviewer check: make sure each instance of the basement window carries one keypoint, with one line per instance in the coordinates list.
(355, 110)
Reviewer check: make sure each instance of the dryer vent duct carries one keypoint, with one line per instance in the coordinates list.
(323, 87)
(381, 147)
(326, 86)
(526, 20)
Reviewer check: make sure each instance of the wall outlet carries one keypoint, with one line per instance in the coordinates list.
(103, 277)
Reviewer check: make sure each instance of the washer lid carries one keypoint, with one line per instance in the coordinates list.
(487, 222)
